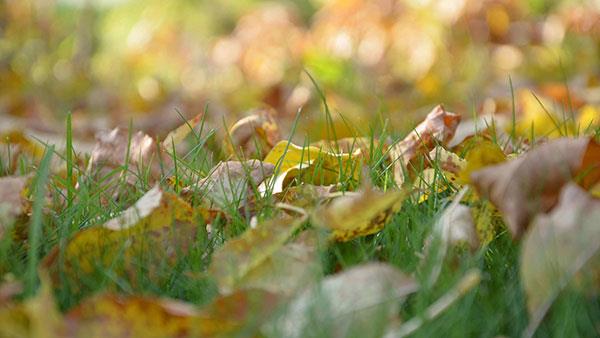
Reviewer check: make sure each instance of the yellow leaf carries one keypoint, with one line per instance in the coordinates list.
(589, 117)
(312, 164)
(483, 153)
(177, 136)
(358, 214)
(431, 178)
(239, 256)
(34, 317)
(109, 315)
(538, 118)
(159, 220)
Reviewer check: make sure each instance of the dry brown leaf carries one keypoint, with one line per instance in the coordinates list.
(115, 149)
(437, 128)
(530, 184)
(254, 135)
(230, 182)
(560, 246)
(352, 301)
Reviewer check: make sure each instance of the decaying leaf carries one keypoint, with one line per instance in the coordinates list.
(12, 199)
(358, 214)
(559, 246)
(530, 184)
(238, 314)
(481, 154)
(312, 165)
(232, 262)
(433, 180)
(348, 145)
(292, 267)
(446, 160)
(230, 182)
(158, 220)
(35, 317)
(455, 226)
(110, 315)
(306, 196)
(14, 143)
(117, 148)
(255, 134)
(348, 303)
(437, 128)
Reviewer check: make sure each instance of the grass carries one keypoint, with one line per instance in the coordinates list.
(496, 307)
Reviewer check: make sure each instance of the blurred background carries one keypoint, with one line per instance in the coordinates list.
(110, 62)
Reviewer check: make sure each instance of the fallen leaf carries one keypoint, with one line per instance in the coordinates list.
(306, 196)
(437, 128)
(13, 202)
(560, 246)
(230, 182)
(110, 315)
(481, 154)
(441, 174)
(116, 149)
(292, 267)
(454, 227)
(238, 314)
(312, 165)
(254, 135)
(537, 118)
(348, 145)
(37, 316)
(354, 301)
(158, 220)
(588, 118)
(15, 143)
(233, 261)
(433, 180)
(358, 214)
(530, 184)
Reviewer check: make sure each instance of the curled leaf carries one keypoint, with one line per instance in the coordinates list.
(530, 184)
(255, 134)
(312, 165)
(437, 128)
